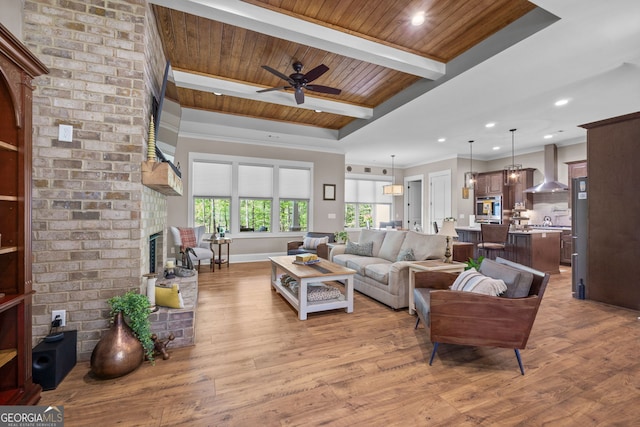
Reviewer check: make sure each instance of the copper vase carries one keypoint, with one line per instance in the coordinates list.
(118, 352)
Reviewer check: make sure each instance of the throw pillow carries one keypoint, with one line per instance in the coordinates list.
(406, 255)
(188, 237)
(518, 281)
(169, 297)
(313, 242)
(362, 249)
(472, 281)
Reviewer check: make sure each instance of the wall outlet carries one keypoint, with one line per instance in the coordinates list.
(62, 314)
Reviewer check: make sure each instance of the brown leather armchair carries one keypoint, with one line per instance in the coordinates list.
(467, 318)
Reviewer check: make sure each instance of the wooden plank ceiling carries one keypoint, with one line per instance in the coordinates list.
(206, 47)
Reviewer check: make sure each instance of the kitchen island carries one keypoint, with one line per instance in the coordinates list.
(538, 249)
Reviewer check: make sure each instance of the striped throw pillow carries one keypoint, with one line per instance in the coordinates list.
(313, 242)
(472, 281)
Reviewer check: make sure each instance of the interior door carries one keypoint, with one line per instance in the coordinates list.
(413, 213)
(439, 197)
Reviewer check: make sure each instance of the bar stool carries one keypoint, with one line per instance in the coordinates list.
(493, 238)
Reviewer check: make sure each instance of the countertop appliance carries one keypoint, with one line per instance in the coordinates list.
(579, 222)
(489, 210)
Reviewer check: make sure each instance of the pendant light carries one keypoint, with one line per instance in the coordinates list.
(512, 171)
(470, 176)
(393, 189)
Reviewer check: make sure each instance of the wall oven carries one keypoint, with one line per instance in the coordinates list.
(489, 209)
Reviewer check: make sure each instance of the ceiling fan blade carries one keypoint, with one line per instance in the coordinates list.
(278, 73)
(273, 88)
(324, 89)
(316, 72)
(299, 96)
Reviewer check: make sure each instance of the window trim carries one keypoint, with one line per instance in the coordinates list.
(235, 161)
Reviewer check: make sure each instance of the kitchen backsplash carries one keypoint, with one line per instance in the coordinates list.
(553, 205)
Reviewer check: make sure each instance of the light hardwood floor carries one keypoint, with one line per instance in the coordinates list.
(255, 364)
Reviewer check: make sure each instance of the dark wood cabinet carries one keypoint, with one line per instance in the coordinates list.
(17, 68)
(566, 247)
(613, 208)
(490, 184)
(575, 170)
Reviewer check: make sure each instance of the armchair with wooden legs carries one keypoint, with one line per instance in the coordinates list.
(467, 318)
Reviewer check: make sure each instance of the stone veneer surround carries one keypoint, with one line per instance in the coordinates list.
(91, 214)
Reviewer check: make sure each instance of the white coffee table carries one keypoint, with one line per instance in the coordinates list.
(323, 271)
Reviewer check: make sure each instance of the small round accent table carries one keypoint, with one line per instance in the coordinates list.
(219, 260)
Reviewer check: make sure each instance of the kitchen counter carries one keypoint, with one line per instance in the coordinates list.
(535, 248)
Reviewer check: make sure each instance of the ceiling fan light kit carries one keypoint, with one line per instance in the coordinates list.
(298, 81)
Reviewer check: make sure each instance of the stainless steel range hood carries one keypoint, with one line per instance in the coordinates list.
(550, 183)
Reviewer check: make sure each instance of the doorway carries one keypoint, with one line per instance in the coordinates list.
(413, 208)
(439, 197)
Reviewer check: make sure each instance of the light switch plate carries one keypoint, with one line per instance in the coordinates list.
(65, 133)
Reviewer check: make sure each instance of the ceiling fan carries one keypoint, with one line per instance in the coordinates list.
(298, 81)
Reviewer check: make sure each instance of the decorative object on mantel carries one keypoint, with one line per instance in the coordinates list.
(393, 189)
(471, 176)
(151, 150)
(512, 172)
(449, 230)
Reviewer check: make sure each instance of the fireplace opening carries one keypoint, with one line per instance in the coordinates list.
(155, 252)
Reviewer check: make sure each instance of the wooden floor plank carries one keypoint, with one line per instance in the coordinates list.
(255, 363)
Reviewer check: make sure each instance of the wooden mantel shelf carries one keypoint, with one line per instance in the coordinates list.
(160, 177)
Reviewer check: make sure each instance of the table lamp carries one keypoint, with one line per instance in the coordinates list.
(448, 229)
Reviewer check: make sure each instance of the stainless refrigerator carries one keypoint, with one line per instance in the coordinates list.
(580, 237)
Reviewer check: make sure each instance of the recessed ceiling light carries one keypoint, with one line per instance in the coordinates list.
(548, 136)
(496, 148)
(442, 139)
(418, 19)
(561, 102)
(490, 125)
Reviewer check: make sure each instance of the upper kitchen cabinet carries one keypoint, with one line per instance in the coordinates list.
(490, 184)
(516, 192)
(576, 170)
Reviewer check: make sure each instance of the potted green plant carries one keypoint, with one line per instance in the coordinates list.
(474, 263)
(136, 308)
(341, 236)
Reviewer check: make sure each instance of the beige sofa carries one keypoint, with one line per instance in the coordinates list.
(379, 273)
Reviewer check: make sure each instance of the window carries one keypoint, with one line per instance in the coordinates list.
(250, 195)
(212, 195)
(365, 205)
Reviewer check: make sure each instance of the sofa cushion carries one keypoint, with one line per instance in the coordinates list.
(313, 242)
(375, 236)
(518, 281)
(360, 263)
(391, 245)
(473, 281)
(425, 246)
(406, 255)
(378, 272)
(361, 249)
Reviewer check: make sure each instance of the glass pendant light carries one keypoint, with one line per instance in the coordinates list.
(512, 171)
(470, 176)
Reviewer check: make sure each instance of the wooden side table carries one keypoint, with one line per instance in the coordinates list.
(429, 265)
(219, 260)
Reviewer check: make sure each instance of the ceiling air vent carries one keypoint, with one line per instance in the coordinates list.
(367, 170)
